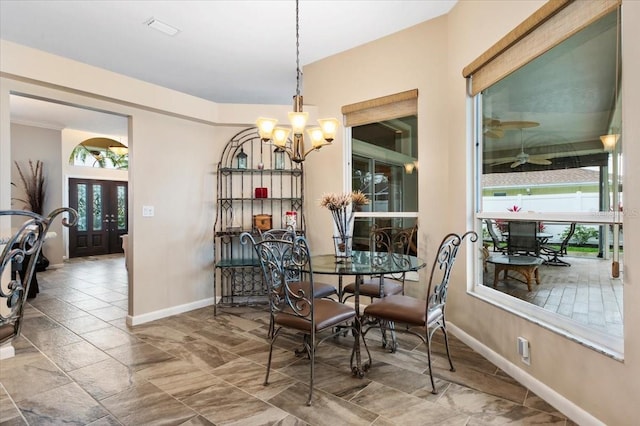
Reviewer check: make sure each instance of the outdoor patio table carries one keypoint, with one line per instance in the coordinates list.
(525, 265)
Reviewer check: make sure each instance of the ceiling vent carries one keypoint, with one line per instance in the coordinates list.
(162, 27)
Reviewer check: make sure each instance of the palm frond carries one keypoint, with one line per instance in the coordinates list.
(33, 185)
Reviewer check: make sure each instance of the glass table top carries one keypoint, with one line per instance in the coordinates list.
(366, 263)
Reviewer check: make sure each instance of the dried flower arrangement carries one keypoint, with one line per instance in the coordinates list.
(34, 186)
(339, 206)
(333, 201)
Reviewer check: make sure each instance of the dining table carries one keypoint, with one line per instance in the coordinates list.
(360, 264)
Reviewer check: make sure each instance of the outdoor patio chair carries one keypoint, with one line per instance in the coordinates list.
(499, 244)
(523, 238)
(553, 252)
(427, 315)
(296, 308)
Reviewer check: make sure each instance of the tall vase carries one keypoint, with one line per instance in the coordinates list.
(343, 235)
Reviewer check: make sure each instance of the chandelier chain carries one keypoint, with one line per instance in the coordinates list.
(295, 146)
(297, 51)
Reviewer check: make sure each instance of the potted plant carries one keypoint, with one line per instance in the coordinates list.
(34, 187)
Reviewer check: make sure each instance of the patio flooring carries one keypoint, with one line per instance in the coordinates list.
(584, 291)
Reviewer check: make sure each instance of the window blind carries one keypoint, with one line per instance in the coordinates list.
(554, 22)
(380, 109)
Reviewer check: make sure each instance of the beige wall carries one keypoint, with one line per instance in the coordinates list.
(175, 142)
(172, 255)
(412, 59)
(584, 383)
(36, 143)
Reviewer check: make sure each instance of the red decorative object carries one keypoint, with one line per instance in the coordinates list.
(261, 192)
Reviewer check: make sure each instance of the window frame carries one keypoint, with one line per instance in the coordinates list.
(609, 345)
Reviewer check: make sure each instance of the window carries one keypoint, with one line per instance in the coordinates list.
(384, 162)
(540, 156)
(100, 152)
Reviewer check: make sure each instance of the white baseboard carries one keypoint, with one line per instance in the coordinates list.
(163, 313)
(7, 351)
(562, 404)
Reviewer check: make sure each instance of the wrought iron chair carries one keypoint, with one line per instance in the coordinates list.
(293, 307)
(320, 290)
(523, 238)
(388, 240)
(499, 244)
(428, 315)
(554, 252)
(20, 253)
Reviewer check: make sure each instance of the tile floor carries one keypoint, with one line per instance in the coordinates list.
(584, 292)
(78, 363)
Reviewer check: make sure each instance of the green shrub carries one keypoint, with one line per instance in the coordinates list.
(582, 234)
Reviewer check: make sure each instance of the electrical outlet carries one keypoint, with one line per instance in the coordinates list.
(147, 211)
(523, 350)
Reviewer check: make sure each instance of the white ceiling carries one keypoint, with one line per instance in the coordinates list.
(227, 51)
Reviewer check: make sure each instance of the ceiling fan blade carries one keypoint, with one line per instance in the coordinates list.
(494, 133)
(498, 163)
(539, 161)
(518, 124)
(516, 164)
(490, 122)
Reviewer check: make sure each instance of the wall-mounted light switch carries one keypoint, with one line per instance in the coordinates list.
(523, 350)
(147, 211)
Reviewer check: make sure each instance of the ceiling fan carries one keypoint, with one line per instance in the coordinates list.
(524, 158)
(494, 128)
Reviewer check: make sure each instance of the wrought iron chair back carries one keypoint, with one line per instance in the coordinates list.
(278, 234)
(428, 315)
(24, 245)
(392, 239)
(441, 271)
(283, 262)
(292, 305)
(384, 242)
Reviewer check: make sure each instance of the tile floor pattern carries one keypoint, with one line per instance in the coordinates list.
(584, 292)
(78, 363)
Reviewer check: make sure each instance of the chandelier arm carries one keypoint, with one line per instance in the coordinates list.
(268, 131)
(314, 148)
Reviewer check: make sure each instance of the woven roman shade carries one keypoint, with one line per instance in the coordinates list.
(380, 109)
(554, 22)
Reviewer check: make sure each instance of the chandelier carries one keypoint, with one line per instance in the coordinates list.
(319, 136)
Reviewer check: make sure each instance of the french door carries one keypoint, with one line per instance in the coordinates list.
(102, 216)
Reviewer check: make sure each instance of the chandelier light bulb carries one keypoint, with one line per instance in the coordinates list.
(317, 139)
(280, 136)
(298, 121)
(329, 128)
(265, 127)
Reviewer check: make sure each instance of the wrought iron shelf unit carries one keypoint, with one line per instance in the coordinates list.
(229, 170)
(237, 276)
(263, 200)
